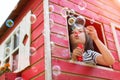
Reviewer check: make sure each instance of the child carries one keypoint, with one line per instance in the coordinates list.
(81, 44)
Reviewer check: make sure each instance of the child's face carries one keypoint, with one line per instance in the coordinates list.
(77, 36)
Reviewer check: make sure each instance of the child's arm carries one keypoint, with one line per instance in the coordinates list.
(106, 57)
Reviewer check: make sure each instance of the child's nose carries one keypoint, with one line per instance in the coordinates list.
(76, 34)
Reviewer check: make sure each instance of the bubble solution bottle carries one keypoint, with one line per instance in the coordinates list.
(80, 58)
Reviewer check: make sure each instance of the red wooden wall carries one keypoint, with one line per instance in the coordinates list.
(104, 12)
(37, 69)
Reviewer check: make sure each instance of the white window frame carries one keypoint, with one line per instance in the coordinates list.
(113, 27)
(12, 50)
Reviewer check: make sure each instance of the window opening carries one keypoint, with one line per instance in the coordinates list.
(73, 22)
(15, 61)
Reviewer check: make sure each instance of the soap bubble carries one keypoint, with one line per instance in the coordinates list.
(52, 43)
(51, 8)
(60, 36)
(32, 50)
(33, 18)
(92, 20)
(51, 22)
(9, 23)
(65, 53)
(71, 20)
(82, 5)
(7, 49)
(19, 78)
(34, 69)
(56, 70)
(72, 11)
(62, 33)
(77, 22)
(64, 12)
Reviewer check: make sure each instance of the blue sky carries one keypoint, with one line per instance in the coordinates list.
(6, 7)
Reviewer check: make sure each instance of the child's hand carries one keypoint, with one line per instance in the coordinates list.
(92, 32)
(77, 52)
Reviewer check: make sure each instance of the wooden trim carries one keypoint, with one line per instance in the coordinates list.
(113, 26)
(86, 71)
(48, 71)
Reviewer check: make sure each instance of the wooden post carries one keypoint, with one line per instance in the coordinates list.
(48, 71)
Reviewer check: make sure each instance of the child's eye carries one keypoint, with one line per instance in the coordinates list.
(80, 31)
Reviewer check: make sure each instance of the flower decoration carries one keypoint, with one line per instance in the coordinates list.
(5, 68)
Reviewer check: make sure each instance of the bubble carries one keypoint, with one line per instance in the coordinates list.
(52, 43)
(9, 23)
(32, 50)
(33, 18)
(71, 21)
(51, 8)
(56, 70)
(77, 22)
(72, 11)
(51, 22)
(19, 78)
(92, 20)
(62, 33)
(60, 36)
(64, 12)
(82, 5)
(34, 69)
(7, 49)
(65, 53)
(81, 20)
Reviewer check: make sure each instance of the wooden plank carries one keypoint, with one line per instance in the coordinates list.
(115, 54)
(61, 52)
(107, 7)
(39, 20)
(109, 36)
(86, 70)
(33, 70)
(59, 40)
(38, 42)
(86, 12)
(116, 66)
(114, 26)
(107, 28)
(101, 11)
(38, 10)
(63, 76)
(41, 77)
(111, 45)
(58, 19)
(59, 29)
(37, 32)
(35, 4)
(37, 55)
(118, 35)
(111, 4)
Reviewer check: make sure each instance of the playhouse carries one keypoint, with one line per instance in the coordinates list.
(37, 45)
